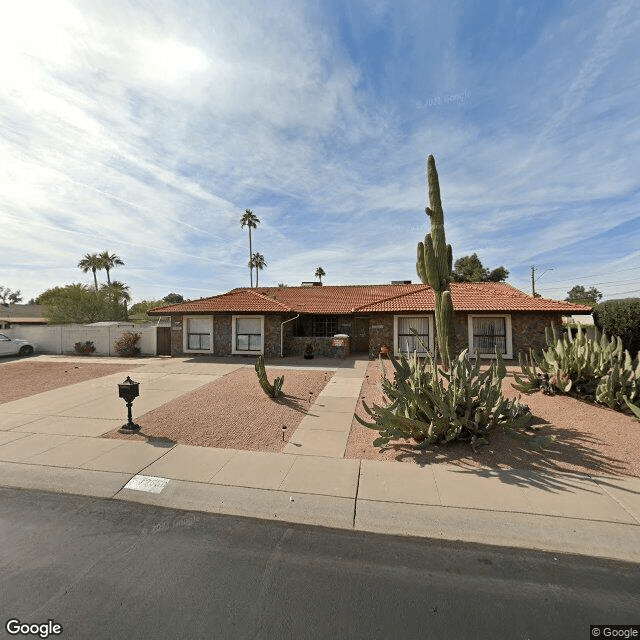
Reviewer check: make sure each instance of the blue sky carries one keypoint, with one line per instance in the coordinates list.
(148, 128)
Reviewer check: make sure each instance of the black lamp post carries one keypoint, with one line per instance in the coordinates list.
(129, 390)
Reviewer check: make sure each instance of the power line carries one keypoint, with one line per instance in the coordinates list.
(595, 283)
(594, 275)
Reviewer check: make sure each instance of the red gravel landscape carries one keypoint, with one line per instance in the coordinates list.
(590, 439)
(28, 377)
(234, 412)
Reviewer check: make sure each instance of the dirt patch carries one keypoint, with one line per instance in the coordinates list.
(234, 412)
(23, 379)
(590, 439)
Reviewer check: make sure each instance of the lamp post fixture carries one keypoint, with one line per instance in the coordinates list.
(129, 390)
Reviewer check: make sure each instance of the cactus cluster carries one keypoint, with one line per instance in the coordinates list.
(462, 403)
(272, 390)
(435, 264)
(597, 369)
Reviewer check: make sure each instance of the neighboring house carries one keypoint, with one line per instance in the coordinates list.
(282, 321)
(16, 315)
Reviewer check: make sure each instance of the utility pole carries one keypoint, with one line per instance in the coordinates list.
(533, 278)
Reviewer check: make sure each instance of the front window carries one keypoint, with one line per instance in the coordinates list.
(406, 340)
(488, 333)
(248, 334)
(324, 326)
(199, 334)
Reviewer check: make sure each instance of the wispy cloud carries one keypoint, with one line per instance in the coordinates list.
(148, 129)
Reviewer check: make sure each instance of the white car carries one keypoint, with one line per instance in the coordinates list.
(12, 346)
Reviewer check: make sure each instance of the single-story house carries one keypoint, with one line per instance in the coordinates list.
(284, 320)
(21, 315)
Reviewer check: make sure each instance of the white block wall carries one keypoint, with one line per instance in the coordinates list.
(61, 339)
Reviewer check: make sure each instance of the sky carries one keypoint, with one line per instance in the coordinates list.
(147, 128)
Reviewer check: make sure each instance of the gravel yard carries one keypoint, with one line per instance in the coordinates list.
(233, 412)
(590, 439)
(28, 377)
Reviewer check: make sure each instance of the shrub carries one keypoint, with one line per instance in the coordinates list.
(621, 318)
(127, 344)
(84, 347)
(431, 406)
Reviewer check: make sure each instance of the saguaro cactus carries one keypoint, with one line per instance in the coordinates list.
(435, 264)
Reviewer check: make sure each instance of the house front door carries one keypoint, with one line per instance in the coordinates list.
(360, 335)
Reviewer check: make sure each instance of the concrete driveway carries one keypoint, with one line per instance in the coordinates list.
(51, 441)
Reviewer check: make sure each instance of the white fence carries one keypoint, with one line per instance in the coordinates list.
(61, 339)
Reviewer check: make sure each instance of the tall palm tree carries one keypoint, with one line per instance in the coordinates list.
(320, 272)
(257, 262)
(249, 220)
(91, 262)
(109, 261)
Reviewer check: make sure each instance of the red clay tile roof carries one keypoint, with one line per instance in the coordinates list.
(481, 297)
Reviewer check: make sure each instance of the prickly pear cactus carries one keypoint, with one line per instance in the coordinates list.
(434, 266)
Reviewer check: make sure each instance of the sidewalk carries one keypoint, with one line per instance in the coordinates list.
(51, 441)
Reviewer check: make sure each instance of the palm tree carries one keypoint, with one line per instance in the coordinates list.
(91, 262)
(320, 272)
(119, 294)
(249, 220)
(257, 262)
(109, 261)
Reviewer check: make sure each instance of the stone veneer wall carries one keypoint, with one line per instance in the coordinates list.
(295, 345)
(176, 336)
(527, 331)
(223, 335)
(380, 332)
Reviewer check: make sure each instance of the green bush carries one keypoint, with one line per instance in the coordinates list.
(431, 406)
(621, 318)
(127, 345)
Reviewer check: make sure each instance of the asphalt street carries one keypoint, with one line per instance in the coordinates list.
(112, 569)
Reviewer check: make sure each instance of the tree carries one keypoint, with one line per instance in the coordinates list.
(118, 293)
(110, 261)
(9, 297)
(251, 221)
(257, 262)
(141, 308)
(499, 274)
(75, 303)
(319, 273)
(172, 298)
(470, 269)
(580, 295)
(620, 318)
(91, 262)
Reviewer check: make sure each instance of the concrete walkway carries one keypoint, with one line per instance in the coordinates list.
(51, 441)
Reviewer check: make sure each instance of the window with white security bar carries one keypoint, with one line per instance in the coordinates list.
(199, 334)
(407, 341)
(248, 334)
(490, 333)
